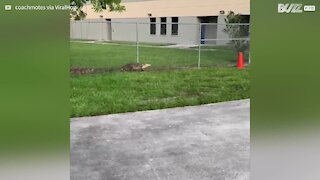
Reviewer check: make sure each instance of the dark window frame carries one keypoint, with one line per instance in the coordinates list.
(163, 26)
(153, 26)
(175, 26)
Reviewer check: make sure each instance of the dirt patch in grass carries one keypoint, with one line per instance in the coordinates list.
(88, 71)
(84, 71)
(102, 70)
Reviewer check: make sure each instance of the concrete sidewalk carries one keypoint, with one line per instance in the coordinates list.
(209, 142)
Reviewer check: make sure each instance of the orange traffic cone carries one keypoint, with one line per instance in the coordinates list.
(240, 64)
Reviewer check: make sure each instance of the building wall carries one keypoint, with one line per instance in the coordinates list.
(126, 30)
(172, 8)
(187, 33)
(97, 29)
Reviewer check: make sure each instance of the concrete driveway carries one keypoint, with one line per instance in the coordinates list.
(209, 142)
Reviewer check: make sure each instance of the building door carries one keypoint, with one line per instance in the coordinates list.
(208, 30)
(203, 34)
(108, 30)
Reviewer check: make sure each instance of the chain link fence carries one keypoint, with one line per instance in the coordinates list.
(112, 45)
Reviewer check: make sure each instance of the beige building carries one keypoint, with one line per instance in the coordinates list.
(161, 21)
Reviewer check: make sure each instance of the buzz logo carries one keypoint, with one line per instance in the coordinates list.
(290, 8)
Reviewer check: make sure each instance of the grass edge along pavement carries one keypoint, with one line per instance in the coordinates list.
(120, 92)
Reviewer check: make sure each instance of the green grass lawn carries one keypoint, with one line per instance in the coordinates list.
(134, 91)
(115, 56)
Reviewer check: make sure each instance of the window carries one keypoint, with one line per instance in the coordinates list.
(245, 29)
(153, 25)
(163, 26)
(174, 30)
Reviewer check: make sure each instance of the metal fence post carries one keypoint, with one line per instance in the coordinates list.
(81, 30)
(101, 31)
(137, 41)
(87, 27)
(71, 30)
(200, 41)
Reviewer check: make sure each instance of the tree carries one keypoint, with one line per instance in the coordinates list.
(98, 5)
(237, 32)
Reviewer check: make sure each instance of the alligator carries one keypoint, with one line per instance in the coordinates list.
(135, 67)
